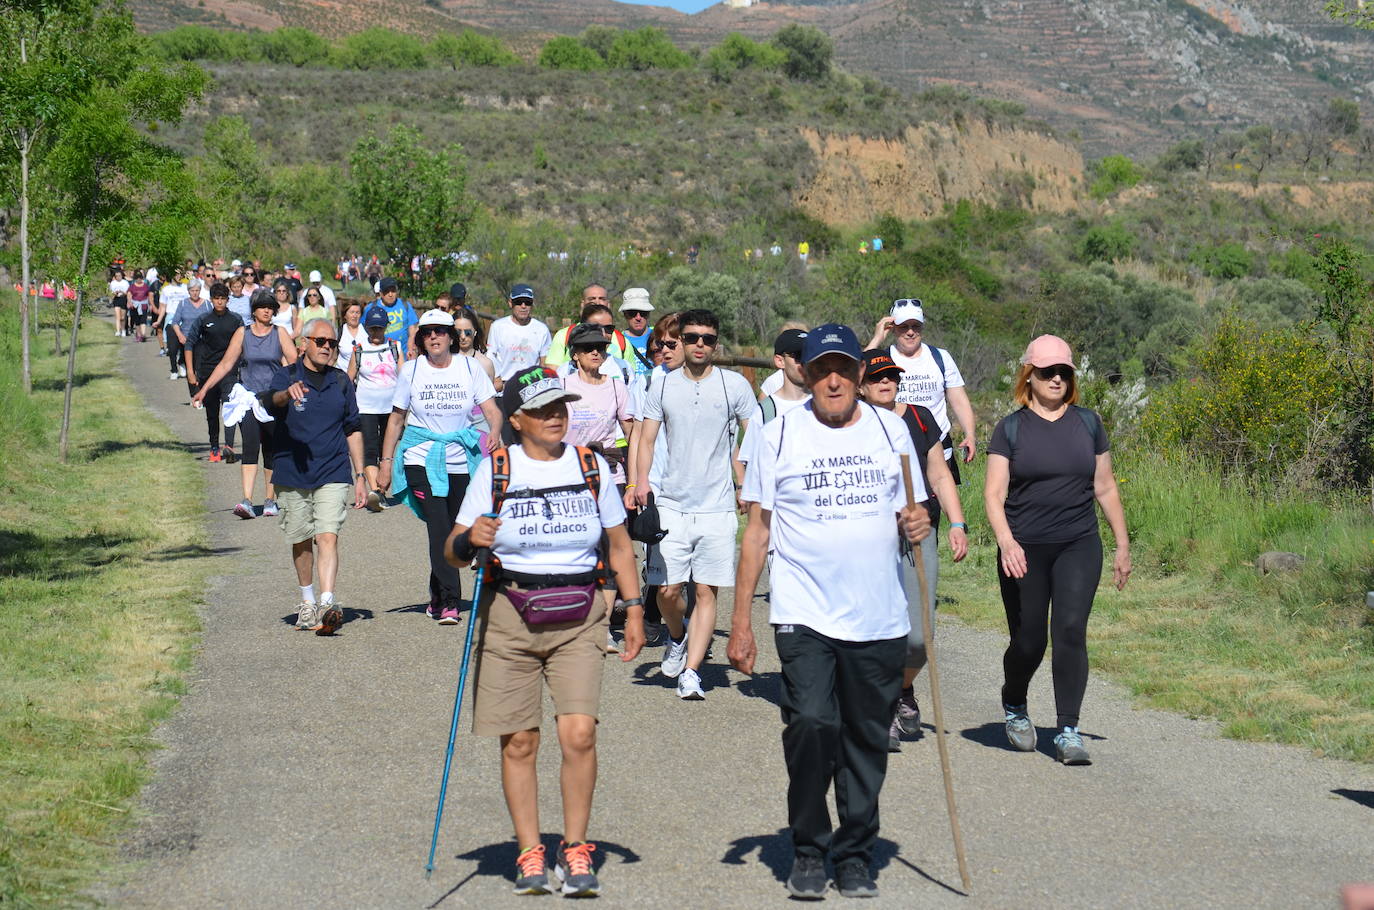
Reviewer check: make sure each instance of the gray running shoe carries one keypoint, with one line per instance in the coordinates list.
(909, 715)
(307, 616)
(269, 508)
(807, 881)
(375, 502)
(1020, 730)
(852, 879)
(245, 509)
(574, 870)
(1068, 747)
(531, 873)
(894, 735)
(674, 657)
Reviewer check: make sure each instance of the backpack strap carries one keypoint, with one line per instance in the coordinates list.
(1009, 424)
(916, 415)
(938, 356)
(500, 478)
(1089, 418)
(769, 407)
(591, 472)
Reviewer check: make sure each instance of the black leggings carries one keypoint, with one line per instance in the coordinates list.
(175, 358)
(214, 401)
(1065, 574)
(373, 426)
(439, 511)
(256, 436)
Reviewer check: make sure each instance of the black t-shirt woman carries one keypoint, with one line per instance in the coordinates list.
(1047, 464)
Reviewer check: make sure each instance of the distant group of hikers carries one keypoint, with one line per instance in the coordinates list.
(597, 475)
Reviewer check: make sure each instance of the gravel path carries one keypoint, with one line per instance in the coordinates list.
(302, 771)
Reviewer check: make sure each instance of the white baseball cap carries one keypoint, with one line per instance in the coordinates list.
(315, 276)
(436, 317)
(636, 299)
(908, 309)
(236, 263)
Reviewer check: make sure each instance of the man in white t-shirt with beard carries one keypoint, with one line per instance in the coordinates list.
(930, 377)
(827, 497)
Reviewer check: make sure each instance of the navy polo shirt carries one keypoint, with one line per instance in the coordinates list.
(311, 434)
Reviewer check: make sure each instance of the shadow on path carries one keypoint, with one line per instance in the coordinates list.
(498, 861)
(114, 447)
(1363, 797)
(775, 852)
(350, 614)
(994, 736)
(78, 381)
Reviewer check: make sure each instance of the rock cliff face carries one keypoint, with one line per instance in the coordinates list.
(934, 164)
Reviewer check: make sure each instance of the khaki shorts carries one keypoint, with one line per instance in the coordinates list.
(305, 513)
(514, 659)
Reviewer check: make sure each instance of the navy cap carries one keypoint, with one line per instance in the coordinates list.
(831, 338)
(376, 316)
(521, 291)
(387, 284)
(458, 291)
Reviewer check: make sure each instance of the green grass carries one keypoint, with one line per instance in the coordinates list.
(1282, 658)
(101, 563)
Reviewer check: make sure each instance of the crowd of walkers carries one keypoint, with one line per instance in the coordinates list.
(599, 474)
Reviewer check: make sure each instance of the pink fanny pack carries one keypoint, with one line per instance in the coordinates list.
(542, 606)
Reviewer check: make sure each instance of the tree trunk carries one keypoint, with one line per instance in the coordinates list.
(24, 257)
(71, 351)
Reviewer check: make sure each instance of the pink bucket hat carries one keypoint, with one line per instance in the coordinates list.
(1047, 351)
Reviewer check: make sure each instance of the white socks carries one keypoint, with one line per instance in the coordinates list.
(326, 598)
(308, 594)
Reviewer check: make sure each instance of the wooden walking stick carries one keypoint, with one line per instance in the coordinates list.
(935, 689)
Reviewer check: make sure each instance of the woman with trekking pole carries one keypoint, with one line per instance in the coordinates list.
(1047, 464)
(541, 617)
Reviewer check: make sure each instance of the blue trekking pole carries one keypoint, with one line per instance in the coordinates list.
(481, 562)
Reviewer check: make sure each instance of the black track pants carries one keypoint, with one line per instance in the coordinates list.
(440, 511)
(1053, 600)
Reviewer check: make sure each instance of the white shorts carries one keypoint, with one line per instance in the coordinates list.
(700, 546)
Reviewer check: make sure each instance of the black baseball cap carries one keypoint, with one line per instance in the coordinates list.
(387, 284)
(877, 364)
(458, 291)
(790, 342)
(522, 292)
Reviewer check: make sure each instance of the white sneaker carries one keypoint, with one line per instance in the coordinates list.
(307, 616)
(612, 647)
(172, 375)
(674, 657)
(689, 686)
(181, 372)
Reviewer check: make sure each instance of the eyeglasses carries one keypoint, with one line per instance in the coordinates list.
(324, 341)
(1045, 374)
(705, 338)
(668, 345)
(467, 333)
(282, 291)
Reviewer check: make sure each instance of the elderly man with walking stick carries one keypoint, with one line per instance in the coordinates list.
(826, 492)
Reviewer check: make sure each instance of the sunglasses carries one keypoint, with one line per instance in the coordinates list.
(906, 301)
(705, 338)
(523, 301)
(467, 333)
(324, 341)
(668, 345)
(433, 330)
(913, 328)
(1045, 374)
(636, 314)
(588, 349)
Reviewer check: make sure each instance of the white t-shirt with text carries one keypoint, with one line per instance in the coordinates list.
(834, 494)
(922, 382)
(550, 522)
(441, 400)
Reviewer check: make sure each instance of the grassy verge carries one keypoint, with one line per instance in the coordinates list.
(1286, 658)
(102, 562)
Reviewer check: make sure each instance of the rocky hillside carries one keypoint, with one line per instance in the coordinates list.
(1128, 75)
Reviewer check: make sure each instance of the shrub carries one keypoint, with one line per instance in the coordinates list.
(1188, 155)
(1226, 261)
(1274, 301)
(380, 49)
(1106, 243)
(1254, 403)
(737, 52)
(565, 53)
(296, 46)
(1114, 173)
(647, 48)
(599, 38)
(470, 49)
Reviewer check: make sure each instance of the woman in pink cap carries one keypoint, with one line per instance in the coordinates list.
(1047, 463)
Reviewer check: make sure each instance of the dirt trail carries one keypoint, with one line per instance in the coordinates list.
(302, 771)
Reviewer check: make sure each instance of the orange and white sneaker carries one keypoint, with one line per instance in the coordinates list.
(575, 870)
(531, 872)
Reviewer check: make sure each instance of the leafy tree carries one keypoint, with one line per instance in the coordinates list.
(1226, 261)
(1189, 155)
(646, 49)
(1275, 301)
(1343, 117)
(414, 200)
(599, 38)
(808, 52)
(1106, 242)
(738, 52)
(296, 46)
(1127, 325)
(233, 176)
(380, 49)
(470, 49)
(685, 288)
(565, 53)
